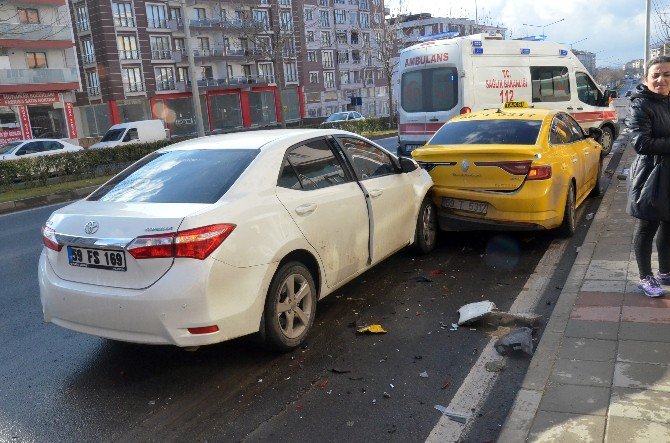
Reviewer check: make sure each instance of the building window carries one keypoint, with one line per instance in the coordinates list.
(341, 37)
(344, 77)
(156, 15)
(93, 82)
(182, 74)
(340, 16)
(36, 60)
(325, 38)
(323, 2)
(203, 46)
(311, 56)
(179, 45)
(327, 59)
(127, 46)
(353, 18)
(366, 39)
(285, 21)
(310, 36)
(290, 72)
(160, 47)
(324, 18)
(329, 79)
(308, 14)
(364, 4)
(81, 12)
(87, 51)
(230, 72)
(261, 19)
(123, 15)
(164, 78)
(175, 14)
(378, 18)
(132, 79)
(285, 2)
(314, 77)
(365, 20)
(266, 70)
(199, 13)
(206, 73)
(343, 56)
(28, 15)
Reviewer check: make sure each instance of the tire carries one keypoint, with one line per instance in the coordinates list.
(607, 140)
(286, 319)
(425, 233)
(569, 225)
(597, 190)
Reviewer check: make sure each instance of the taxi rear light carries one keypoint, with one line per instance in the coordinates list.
(196, 243)
(465, 110)
(204, 329)
(49, 239)
(539, 173)
(513, 167)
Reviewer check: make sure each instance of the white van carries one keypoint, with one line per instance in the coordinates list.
(442, 78)
(143, 131)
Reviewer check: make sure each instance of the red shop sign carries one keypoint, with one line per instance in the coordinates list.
(71, 123)
(29, 98)
(10, 135)
(25, 122)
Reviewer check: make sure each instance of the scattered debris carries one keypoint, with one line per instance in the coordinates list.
(487, 310)
(437, 272)
(372, 329)
(446, 385)
(474, 311)
(495, 366)
(355, 378)
(418, 357)
(387, 395)
(422, 279)
(299, 406)
(340, 371)
(455, 416)
(454, 327)
(424, 374)
(350, 424)
(323, 383)
(589, 216)
(520, 339)
(152, 402)
(391, 385)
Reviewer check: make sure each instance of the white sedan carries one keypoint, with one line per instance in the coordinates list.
(35, 148)
(223, 236)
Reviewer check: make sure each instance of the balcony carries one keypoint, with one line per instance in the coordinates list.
(83, 26)
(205, 23)
(176, 25)
(166, 85)
(129, 54)
(88, 59)
(134, 87)
(93, 91)
(25, 35)
(161, 54)
(158, 24)
(52, 79)
(124, 22)
(227, 82)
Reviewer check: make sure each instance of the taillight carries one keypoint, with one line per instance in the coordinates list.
(194, 243)
(513, 167)
(204, 329)
(49, 239)
(465, 110)
(539, 173)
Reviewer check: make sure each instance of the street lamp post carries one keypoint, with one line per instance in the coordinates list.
(544, 26)
(647, 31)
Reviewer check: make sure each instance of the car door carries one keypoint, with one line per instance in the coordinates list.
(30, 149)
(568, 153)
(328, 207)
(588, 112)
(390, 193)
(589, 154)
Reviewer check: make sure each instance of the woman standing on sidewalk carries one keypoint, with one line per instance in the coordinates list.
(649, 190)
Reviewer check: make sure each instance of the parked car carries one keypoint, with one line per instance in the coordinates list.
(341, 117)
(512, 169)
(143, 131)
(35, 148)
(223, 236)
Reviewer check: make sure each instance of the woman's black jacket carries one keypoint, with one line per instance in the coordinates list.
(649, 123)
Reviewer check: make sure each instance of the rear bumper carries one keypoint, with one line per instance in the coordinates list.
(200, 294)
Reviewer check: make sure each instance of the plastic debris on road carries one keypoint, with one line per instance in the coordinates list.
(372, 329)
(520, 339)
(474, 311)
(453, 415)
(486, 310)
(424, 374)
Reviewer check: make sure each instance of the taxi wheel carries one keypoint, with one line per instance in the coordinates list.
(598, 187)
(425, 234)
(290, 307)
(607, 140)
(569, 225)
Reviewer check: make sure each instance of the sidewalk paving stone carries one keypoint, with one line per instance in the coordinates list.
(604, 285)
(642, 376)
(599, 299)
(640, 404)
(644, 331)
(587, 349)
(580, 372)
(644, 352)
(603, 330)
(621, 429)
(596, 313)
(557, 426)
(648, 315)
(589, 400)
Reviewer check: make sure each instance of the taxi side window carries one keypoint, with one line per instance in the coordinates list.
(367, 160)
(576, 132)
(314, 165)
(559, 133)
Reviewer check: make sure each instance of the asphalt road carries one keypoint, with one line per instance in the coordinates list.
(58, 385)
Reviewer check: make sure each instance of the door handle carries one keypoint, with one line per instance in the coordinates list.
(579, 109)
(433, 120)
(374, 193)
(305, 209)
(570, 108)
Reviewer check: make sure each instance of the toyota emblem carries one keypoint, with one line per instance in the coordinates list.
(91, 227)
(465, 165)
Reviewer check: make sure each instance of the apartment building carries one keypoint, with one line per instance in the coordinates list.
(339, 62)
(134, 63)
(587, 58)
(38, 71)
(419, 27)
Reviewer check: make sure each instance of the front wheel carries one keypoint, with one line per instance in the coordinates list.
(569, 225)
(425, 234)
(607, 140)
(290, 306)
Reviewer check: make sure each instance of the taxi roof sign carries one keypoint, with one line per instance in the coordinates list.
(515, 104)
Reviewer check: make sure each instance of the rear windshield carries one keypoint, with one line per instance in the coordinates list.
(197, 176)
(488, 132)
(113, 135)
(8, 147)
(429, 90)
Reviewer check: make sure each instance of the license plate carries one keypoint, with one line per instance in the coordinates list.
(410, 148)
(465, 205)
(111, 260)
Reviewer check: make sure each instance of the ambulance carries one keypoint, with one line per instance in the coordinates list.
(443, 78)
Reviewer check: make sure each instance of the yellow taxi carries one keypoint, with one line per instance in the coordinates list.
(514, 168)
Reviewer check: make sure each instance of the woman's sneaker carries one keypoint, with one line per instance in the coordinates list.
(651, 287)
(664, 279)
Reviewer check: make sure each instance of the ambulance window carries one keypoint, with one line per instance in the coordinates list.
(429, 90)
(587, 91)
(550, 84)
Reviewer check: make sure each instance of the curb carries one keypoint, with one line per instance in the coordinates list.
(520, 419)
(35, 202)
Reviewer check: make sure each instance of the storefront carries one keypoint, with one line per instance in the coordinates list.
(36, 115)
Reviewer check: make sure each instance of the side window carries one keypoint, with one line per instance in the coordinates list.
(288, 178)
(131, 135)
(559, 134)
(357, 115)
(31, 148)
(53, 146)
(587, 91)
(550, 84)
(576, 132)
(316, 165)
(368, 161)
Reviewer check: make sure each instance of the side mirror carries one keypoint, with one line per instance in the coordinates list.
(610, 93)
(407, 165)
(595, 133)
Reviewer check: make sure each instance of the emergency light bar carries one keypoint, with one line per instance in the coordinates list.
(525, 51)
(478, 51)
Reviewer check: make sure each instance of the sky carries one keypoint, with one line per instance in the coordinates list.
(613, 29)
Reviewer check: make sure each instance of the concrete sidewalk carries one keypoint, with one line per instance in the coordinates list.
(601, 371)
